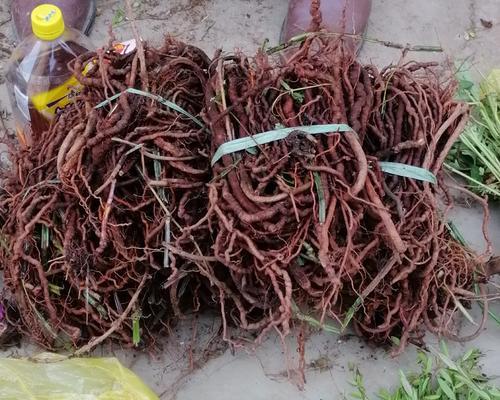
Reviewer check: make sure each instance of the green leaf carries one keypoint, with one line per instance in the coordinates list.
(471, 354)
(410, 391)
(54, 289)
(448, 391)
(93, 299)
(136, 328)
(446, 376)
(45, 239)
(407, 171)
(494, 392)
(475, 174)
(477, 185)
(157, 98)
(167, 103)
(458, 380)
(312, 321)
(321, 198)
(296, 94)
(444, 348)
(252, 150)
(462, 377)
(494, 316)
(445, 359)
(350, 313)
(118, 17)
(422, 387)
(455, 233)
(384, 394)
(286, 86)
(294, 40)
(466, 87)
(247, 142)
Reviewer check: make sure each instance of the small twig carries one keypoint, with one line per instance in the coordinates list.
(387, 43)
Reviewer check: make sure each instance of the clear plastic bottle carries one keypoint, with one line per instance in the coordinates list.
(39, 81)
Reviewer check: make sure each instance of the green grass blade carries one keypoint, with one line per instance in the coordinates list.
(481, 185)
(45, 237)
(167, 103)
(350, 313)
(312, 321)
(248, 142)
(157, 98)
(410, 390)
(54, 289)
(321, 198)
(447, 390)
(448, 380)
(93, 300)
(408, 171)
(455, 233)
(136, 328)
(476, 156)
(108, 100)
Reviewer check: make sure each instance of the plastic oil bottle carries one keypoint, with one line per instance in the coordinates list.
(39, 81)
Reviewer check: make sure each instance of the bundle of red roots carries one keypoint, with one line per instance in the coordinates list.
(142, 202)
(92, 209)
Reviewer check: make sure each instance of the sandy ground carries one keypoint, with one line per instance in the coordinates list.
(193, 363)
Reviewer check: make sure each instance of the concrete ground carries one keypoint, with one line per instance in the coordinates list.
(193, 364)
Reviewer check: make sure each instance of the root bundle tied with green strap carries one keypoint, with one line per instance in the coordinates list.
(312, 221)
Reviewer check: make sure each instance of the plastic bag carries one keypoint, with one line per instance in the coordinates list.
(49, 377)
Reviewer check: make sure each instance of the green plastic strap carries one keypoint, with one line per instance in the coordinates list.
(157, 98)
(407, 171)
(249, 142)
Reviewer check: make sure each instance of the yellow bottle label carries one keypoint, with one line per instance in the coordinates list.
(49, 103)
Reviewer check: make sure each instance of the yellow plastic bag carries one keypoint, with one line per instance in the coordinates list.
(50, 378)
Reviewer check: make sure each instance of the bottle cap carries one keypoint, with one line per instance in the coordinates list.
(47, 22)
